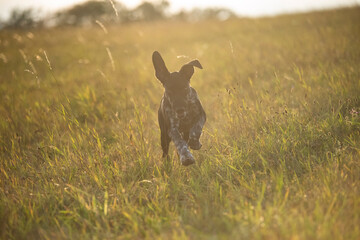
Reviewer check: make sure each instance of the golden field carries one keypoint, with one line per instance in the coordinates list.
(80, 154)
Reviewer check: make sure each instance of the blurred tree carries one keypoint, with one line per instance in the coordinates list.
(87, 13)
(198, 14)
(111, 11)
(218, 13)
(148, 11)
(25, 18)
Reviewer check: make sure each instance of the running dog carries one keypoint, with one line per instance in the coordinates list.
(181, 115)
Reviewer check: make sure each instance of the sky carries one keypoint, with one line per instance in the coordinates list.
(251, 8)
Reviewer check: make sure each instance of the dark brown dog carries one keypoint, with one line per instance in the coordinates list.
(181, 115)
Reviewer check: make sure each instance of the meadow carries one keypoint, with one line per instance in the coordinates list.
(80, 154)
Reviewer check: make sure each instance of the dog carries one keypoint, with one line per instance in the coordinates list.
(181, 115)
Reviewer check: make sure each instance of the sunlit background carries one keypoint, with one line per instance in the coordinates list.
(252, 8)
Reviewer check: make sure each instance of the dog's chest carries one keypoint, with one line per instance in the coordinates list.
(192, 114)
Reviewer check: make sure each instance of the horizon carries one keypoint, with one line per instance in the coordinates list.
(256, 8)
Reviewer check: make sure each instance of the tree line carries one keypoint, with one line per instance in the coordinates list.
(110, 11)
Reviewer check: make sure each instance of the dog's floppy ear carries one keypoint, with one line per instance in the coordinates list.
(188, 69)
(161, 71)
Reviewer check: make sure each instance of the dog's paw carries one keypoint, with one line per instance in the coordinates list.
(194, 144)
(187, 160)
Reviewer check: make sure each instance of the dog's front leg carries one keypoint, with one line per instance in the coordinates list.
(196, 129)
(186, 157)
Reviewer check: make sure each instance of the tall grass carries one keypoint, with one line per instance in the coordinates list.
(80, 150)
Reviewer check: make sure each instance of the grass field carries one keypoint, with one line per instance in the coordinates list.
(80, 154)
